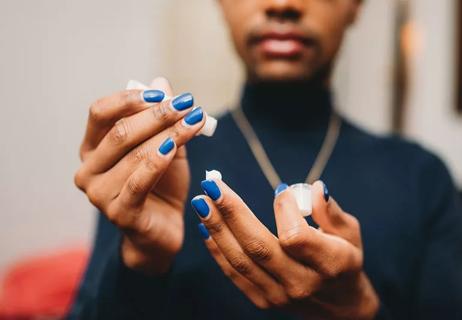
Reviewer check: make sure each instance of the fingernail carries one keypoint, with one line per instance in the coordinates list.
(195, 116)
(167, 146)
(280, 188)
(211, 189)
(325, 191)
(183, 102)
(201, 207)
(153, 96)
(203, 231)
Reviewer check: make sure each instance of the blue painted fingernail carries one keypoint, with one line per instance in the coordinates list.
(203, 231)
(325, 192)
(153, 96)
(167, 146)
(183, 102)
(195, 116)
(201, 207)
(211, 189)
(280, 188)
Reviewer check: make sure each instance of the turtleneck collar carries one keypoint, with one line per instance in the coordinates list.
(296, 106)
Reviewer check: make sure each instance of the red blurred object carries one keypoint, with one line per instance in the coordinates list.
(42, 287)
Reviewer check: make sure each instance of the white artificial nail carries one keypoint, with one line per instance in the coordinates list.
(136, 85)
(214, 174)
(302, 194)
(209, 127)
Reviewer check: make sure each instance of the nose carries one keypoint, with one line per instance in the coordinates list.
(283, 10)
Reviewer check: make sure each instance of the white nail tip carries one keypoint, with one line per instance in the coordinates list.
(209, 127)
(214, 174)
(136, 85)
(302, 193)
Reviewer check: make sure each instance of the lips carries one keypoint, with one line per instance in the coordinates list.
(277, 44)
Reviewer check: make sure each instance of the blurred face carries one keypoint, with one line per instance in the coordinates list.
(288, 40)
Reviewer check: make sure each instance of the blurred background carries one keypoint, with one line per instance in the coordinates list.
(398, 72)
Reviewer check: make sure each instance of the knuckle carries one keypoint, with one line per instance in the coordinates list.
(80, 179)
(153, 164)
(113, 216)
(280, 203)
(226, 205)
(298, 292)
(129, 98)
(140, 154)
(279, 301)
(241, 264)
(332, 264)
(175, 132)
(215, 227)
(95, 195)
(295, 242)
(134, 186)
(96, 111)
(82, 152)
(355, 261)
(119, 133)
(257, 250)
(330, 271)
(231, 274)
(214, 251)
(354, 222)
(161, 112)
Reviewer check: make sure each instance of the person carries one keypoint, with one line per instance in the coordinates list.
(385, 243)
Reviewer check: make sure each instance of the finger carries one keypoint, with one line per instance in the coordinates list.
(128, 132)
(106, 111)
(142, 155)
(163, 84)
(326, 254)
(233, 252)
(331, 218)
(258, 242)
(248, 288)
(140, 183)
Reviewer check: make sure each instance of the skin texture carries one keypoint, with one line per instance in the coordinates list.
(143, 192)
(321, 24)
(139, 190)
(315, 273)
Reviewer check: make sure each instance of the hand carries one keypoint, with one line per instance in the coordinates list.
(316, 273)
(134, 169)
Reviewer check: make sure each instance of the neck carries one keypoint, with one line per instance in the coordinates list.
(300, 105)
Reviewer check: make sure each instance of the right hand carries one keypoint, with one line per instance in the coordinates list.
(137, 188)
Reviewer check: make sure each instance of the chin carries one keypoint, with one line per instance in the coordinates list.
(281, 71)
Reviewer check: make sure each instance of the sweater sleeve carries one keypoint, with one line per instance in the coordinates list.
(110, 290)
(438, 292)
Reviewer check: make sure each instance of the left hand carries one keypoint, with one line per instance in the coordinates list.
(316, 273)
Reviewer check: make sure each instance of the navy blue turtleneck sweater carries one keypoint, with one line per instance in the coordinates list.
(403, 196)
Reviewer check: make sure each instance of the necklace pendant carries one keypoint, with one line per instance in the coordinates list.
(302, 193)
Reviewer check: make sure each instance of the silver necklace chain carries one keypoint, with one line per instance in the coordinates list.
(328, 145)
